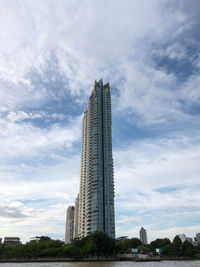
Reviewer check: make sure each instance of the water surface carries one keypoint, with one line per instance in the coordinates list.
(106, 264)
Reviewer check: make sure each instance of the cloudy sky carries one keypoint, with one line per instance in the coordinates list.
(50, 54)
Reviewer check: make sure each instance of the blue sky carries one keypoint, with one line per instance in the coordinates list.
(50, 54)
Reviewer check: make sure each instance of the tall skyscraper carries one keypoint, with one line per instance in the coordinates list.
(143, 236)
(69, 225)
(96, 196)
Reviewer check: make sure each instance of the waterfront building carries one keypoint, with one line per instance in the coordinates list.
(11, 241)
(69, 225)
(143, 236)
(96, 196)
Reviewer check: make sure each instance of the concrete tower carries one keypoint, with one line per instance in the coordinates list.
(76, 217)
(99, 213)
(82, 192)
(69, 225)
(143, 236)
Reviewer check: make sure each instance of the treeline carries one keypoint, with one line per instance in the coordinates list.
(96, 244)
(175, 248)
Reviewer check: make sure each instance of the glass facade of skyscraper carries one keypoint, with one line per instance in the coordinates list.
(96, 196)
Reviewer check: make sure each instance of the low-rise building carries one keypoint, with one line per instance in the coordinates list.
(121, 239)
(35, 239)
(11, 241)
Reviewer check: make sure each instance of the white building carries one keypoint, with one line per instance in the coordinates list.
(184, 238)
(143, 236)
(197, 238)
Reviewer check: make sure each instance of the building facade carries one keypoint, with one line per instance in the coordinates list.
(143, 236)
(11, 241)
(35, 239)
(184, 238)
(82, 192)
(96, 196)
(197, 238)
(76, 217)
(69, 225)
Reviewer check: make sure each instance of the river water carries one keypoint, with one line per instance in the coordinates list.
(107, 264)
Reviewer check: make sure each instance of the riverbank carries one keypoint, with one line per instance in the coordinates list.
(95, 259)
(54, 259)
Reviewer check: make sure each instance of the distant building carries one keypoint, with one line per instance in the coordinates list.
(184, 238)
(197, 238)
(11, 241)
(143, 236)
(35, 239)
(76, 217)
(189, 239)
(69, 225)
(121, 239)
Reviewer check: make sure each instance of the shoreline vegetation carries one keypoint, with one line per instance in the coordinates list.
(98, 246)
(103, 259)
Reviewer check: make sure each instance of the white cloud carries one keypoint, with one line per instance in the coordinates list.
(155, 179)
(93, 40)
(35, 203)
(26, 139)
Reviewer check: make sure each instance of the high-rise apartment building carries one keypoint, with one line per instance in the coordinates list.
(96, 196)
(82, 192)
(76, 217)
(69, 225)
(143, 236)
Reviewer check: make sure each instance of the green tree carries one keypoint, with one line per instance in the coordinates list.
(176, 246)
(177, 242)
(127, 244)
(44, 238)
(160, 243)
(143, 249)
(134, 243)
(188, 249)
(105, 245)
(74, 251)
(90, 248)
